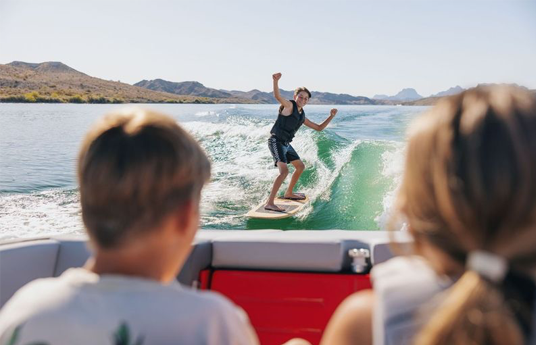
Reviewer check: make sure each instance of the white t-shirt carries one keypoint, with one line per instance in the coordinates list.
(81, 307)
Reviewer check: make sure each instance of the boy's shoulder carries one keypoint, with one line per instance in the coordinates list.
(217, 305)
(77, 283)
(78, 296)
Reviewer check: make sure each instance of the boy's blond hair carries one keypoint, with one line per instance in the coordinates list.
(135, 167)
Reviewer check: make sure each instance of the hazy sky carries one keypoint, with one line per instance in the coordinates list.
(356, 47)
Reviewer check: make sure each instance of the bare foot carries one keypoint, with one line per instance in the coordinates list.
(295, 196)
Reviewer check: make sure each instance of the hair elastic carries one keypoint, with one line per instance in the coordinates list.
(488, 265)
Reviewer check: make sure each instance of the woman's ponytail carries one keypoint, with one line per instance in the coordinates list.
(472, 312)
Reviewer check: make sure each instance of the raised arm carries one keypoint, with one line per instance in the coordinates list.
(320, 127)
(284, 102)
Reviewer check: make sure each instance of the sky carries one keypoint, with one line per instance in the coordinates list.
(358, 47)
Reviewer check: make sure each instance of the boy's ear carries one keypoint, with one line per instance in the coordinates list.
(186, 216)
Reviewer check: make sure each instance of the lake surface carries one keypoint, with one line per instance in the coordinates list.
(353, 167)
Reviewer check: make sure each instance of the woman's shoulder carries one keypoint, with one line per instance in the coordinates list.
(401, 265)
(407, 280)
(406, 270)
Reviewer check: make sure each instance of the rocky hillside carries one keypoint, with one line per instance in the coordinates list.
(423, 101)
(452, 91)
(192, 88)
(57, 82)
(342, 98)
(408, 94)
(317, 97)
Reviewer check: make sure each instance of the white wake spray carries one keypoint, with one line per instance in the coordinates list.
(243, 169)
(393, 168)
(47, 213)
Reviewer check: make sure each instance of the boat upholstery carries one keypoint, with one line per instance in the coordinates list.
(22, 262)
(301, 250)
(288, 282)
(72, 252)
(307, 251)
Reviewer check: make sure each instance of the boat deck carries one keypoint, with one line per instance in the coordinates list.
(289, 282)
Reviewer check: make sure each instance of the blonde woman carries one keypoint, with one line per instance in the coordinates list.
(140, 177)
(469, 199)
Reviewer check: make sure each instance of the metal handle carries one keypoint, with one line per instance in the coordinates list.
(360, 259)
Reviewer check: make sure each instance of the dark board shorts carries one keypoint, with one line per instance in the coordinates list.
(281, 151)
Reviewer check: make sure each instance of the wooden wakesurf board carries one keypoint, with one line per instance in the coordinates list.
(291, 208)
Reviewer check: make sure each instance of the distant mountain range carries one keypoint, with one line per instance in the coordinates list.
(404, 95)
(411, 95)
(58, 83)
(193, 88)
(452, 91)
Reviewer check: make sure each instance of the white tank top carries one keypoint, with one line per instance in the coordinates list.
(406, 290)
(402, 286)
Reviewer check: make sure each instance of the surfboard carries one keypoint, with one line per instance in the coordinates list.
(291, 208)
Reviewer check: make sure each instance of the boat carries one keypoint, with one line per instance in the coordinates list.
(288, 282)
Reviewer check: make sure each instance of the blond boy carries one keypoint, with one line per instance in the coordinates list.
(140, 177)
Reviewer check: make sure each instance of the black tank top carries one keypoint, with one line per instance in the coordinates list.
(286, 126)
